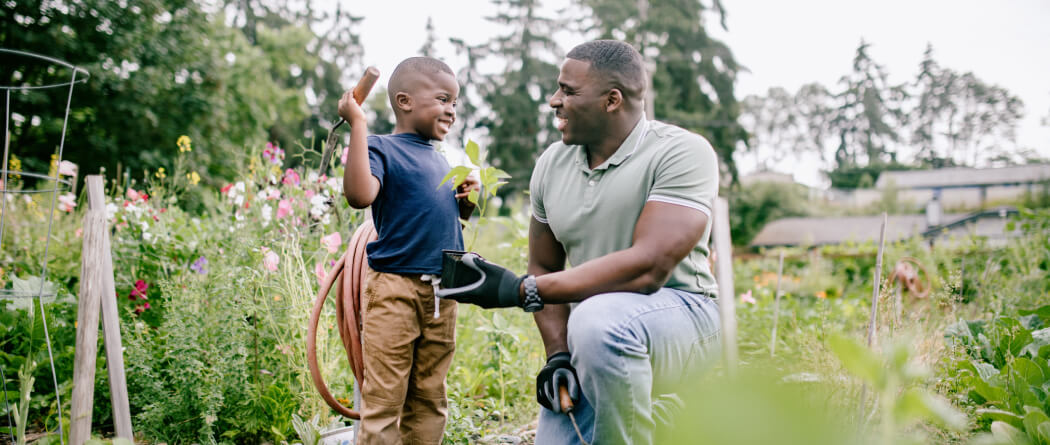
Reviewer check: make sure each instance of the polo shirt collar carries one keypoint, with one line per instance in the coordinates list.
(624, 151)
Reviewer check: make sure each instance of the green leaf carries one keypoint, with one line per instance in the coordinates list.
(1028, 371)
(473, 196)
(1006, 434)
(473, 150)
(1042, 311)
(1040, 339)
(859, 360)
(1033, 419)
(914, 404)
(458, 173)
(1000, 415)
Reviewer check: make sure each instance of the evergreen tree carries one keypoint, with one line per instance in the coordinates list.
(692, 74)
(868, 115)
(428, 48)
(961, 120)
(521, 124)
(471, 79)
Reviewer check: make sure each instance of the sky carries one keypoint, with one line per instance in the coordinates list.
(790, 43)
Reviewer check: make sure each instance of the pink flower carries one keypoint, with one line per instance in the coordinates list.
(290, 177)
(66, 168)
(332, 242)
(320, 273)
(139, 291)
(270, 260)
(226, 188)
(67, 202)
(79, 232)
(284, 207)
(309, 194)
(346, 152)
(747, 298)
(135, 196)
(273, 153)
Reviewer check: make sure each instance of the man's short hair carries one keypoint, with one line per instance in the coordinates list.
(413, 65)
(616, 62)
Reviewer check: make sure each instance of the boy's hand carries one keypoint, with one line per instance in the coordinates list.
(471, 183)
(349, 110)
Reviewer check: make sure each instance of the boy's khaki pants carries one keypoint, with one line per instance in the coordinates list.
(407, 354)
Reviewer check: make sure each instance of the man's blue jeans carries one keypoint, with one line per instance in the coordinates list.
(628, 350)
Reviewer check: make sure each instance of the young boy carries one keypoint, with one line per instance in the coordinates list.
(408, 335)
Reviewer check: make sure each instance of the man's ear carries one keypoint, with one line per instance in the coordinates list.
(403, 101)
(614, 100)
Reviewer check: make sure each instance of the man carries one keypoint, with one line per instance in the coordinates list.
(628, 203)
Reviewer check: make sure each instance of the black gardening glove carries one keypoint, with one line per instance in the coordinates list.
(556, 373)
(468, 278)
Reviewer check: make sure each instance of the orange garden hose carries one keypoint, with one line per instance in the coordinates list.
(350, 272)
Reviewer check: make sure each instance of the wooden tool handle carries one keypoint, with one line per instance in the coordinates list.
(364, 86)
(566, 401)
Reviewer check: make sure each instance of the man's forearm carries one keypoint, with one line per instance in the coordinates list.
(627, 271)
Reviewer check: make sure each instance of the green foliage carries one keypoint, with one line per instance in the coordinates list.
(1004, 367)
(521, 125)
(754, 205)
(692, 73)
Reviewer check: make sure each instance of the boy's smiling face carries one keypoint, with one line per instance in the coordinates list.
(432, 109)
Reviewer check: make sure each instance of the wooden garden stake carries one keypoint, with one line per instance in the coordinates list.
(724, 271)
(898, 305)
(97, 292)
(874, 307)
(776, 307)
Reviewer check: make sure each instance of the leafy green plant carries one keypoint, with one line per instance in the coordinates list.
(896, 383)
(1004, 369)
(491, 179)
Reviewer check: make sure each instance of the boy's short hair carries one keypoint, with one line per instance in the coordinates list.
(615, 62)
(412, 65)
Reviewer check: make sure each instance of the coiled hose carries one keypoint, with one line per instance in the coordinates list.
(350, 272)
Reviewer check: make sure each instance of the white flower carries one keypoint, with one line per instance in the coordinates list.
(66, 168)
(67, 202)
(312, 177)
(267, 214)
(111, 210)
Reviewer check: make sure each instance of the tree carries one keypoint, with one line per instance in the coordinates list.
(471, 78)
(320, 68)
(868, 114)
(961, 120)
(782, 125)
(692, 74)
(520, 124)
(428, 48)
(159, 69)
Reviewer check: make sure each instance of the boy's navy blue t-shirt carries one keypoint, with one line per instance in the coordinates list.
(415, 219)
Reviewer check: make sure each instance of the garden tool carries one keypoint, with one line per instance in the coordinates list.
(352, 267)
(566, 405)
(364, 86)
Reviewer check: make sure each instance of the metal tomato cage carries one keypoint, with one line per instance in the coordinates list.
(56, 82)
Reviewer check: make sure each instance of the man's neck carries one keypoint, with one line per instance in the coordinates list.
(619, 129)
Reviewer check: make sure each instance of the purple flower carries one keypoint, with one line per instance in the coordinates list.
(200, 266)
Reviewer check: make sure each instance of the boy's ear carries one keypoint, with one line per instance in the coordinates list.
(614, 101)
(403, 101)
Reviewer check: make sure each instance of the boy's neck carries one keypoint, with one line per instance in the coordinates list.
(400, 128)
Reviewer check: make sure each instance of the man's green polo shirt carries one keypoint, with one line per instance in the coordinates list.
(593, 212)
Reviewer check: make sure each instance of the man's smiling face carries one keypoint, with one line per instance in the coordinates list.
(579, 103)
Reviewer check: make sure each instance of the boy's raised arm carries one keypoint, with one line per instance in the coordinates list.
(359, 186)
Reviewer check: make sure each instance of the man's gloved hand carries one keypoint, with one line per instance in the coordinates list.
(556, 373)
(471, 279)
